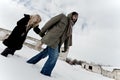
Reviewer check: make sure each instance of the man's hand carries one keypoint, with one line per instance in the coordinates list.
(65, 50)
(41, 34)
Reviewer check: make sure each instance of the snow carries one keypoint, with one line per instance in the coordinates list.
(16, 68)
(2, 34)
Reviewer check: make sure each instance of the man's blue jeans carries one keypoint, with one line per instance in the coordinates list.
(51, 61)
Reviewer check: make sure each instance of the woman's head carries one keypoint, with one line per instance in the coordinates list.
(34, 20)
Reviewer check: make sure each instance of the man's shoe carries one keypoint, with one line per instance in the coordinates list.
(46, 74)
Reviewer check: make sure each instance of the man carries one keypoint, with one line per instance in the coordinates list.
(55, 32)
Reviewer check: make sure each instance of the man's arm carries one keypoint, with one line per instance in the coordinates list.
(38, 31)
(67, 43)
(51, 22)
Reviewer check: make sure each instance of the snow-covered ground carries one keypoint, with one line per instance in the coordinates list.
(16, 68)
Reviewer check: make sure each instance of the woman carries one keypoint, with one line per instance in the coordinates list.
(17, 37)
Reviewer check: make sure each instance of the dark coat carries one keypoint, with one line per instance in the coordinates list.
(18, 35)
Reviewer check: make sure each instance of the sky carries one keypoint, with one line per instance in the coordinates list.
(95, 35)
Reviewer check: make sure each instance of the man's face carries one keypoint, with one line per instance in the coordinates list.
(74, 18)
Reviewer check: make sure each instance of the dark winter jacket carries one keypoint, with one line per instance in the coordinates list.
(18, 35)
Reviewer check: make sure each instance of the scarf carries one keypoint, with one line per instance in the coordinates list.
(69, 28)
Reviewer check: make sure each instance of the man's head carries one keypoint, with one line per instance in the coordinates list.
(74, 16)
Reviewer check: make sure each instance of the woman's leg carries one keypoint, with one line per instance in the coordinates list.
(12, 51)
(8, 51)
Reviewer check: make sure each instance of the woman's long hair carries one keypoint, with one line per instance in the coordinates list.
(33, 22)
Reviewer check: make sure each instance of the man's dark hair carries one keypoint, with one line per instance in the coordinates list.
(74, 13)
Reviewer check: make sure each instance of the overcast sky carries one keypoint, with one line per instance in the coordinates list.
(96, 33)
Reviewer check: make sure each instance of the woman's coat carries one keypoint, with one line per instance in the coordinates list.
(18, 35)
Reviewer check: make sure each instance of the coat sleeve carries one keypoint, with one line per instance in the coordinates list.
(67, 43)
(51, 22)
(36, 30)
